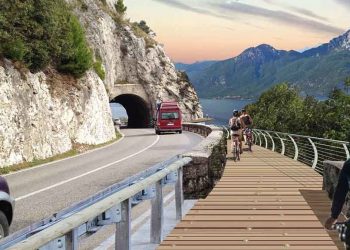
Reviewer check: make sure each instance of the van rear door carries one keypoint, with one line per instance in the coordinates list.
(169, 119)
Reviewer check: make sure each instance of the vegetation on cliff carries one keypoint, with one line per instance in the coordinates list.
(39, 33)
(282, 109)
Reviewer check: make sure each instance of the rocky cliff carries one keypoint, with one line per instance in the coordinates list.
(130, 56)
(45, 113)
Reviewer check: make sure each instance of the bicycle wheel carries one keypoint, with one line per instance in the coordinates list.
(234, 153)
(238, 154)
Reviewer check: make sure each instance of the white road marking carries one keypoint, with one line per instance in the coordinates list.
(68, 158)
(87, 173)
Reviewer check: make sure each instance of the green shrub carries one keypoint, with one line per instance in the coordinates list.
(76, 57)
(143, 25)
(43, 32)
(14, 50)
(99, 69)
(120, 7)
(150, 43)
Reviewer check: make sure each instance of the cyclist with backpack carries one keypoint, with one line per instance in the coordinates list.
(248, 122)
(236, 125)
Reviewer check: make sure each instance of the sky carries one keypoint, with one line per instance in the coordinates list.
(199, 30)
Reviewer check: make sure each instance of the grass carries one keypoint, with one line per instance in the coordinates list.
(77, 149)
(99, 69)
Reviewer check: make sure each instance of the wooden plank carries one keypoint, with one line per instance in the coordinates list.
(164, 246)
(264, 201)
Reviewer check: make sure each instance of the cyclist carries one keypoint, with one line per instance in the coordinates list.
(236, 125)
(248, 122)
(339, 195)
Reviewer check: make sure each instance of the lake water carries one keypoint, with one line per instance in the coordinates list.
(219, 110)
(118, 110)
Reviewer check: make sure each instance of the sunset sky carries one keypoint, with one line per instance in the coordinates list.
(197, 30)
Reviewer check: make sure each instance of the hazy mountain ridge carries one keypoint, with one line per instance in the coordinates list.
(315, 71)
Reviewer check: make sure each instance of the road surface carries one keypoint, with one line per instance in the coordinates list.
(44, 190)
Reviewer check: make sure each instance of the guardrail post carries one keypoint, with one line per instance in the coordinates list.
(296, 154)
(72, 242)
(179, 194)
(283, 150)
(123, 228)
(157, 215)
(273, 142)
(314, 163)
(346, 151)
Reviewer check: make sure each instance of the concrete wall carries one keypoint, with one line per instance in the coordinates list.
(331, 173)
(209, 159)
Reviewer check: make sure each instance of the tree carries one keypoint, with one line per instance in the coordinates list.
(120, 7)
(347, 84)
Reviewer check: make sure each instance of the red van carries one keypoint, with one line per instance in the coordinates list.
(168, 118)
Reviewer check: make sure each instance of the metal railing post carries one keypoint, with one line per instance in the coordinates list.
(157, 215)
(72, 242)
(265, 139)
(179, 194)
(273, 142)
(255, 137)
(123, 228)
(283, 150)
(258, 132)
(346, 151)
(296, 150)
(314, 163)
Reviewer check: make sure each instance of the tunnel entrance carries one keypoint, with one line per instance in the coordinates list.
(139, 114)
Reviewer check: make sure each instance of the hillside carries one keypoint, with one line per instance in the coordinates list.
(314, 72)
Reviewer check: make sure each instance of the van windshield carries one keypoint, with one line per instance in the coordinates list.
(169, 115)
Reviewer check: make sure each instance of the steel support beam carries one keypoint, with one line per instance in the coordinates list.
(179, 197)
(123, 228)
(157, 215)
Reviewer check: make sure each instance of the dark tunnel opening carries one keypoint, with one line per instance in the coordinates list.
(139, 114)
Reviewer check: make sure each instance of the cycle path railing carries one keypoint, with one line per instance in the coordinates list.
(309, 150)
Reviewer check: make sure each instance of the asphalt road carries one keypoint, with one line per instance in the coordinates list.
(44, 190)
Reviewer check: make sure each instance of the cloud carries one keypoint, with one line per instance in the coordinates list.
(298, 10)
(345, 3)
(228, 9)
(179, 5)
(279, 16)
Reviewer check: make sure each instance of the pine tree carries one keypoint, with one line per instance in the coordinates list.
(120, 7)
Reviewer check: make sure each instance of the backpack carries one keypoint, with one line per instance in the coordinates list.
(247, 120)
(235, 124)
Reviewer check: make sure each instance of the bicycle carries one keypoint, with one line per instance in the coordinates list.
(344, 232)
(249, 138)
(236, 150)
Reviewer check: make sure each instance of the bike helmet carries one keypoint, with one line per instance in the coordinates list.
(235, 112)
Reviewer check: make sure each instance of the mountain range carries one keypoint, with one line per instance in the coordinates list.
(314, 72)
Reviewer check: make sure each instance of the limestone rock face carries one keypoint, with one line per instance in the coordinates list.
(42, 114)
(45, 113)
(132, 58)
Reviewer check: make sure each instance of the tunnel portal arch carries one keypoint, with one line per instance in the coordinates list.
(138, 110)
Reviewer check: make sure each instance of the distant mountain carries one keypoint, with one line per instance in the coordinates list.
(315, 71)
(194, 68)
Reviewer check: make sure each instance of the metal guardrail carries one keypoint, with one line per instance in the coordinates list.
(309, 150)
(111, 206)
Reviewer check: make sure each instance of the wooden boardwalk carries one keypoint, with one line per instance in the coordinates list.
(265, 201)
